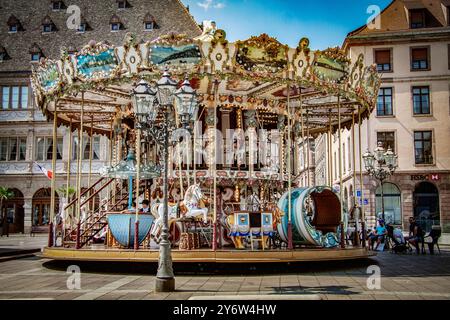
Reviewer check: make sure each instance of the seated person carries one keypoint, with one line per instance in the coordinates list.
(130, 210)
(145, 208)
(377, 235)
(416, 234)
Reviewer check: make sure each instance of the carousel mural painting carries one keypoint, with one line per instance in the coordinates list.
(213, 129)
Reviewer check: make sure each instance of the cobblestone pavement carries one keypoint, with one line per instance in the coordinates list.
(402, 277)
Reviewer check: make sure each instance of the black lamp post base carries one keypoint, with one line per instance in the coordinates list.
(164, 285)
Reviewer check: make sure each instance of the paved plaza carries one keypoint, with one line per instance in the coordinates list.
(402, 277)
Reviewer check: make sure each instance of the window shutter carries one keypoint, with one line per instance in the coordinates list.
(420, 54)
(448, 56)
(383, 56)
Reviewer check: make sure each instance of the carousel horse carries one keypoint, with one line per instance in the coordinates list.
(192, 206)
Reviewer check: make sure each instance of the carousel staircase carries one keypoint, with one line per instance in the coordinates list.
(85, 231)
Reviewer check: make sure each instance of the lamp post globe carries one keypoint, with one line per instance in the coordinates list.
(368, 161)
(143, 97)
(166, 89)
(186, 102)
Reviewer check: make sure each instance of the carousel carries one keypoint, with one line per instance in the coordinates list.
(207, 139)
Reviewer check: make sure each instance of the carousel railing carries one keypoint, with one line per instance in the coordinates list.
(89, 228)
(72, 230)
(75, 200)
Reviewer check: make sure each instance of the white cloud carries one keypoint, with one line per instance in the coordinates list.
(207, 4)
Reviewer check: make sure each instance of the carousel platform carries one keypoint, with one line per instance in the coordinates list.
(207, 256)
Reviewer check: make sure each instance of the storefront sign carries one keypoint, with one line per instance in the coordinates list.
(425, 177)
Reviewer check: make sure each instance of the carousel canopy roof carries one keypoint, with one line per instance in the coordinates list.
(254, 74)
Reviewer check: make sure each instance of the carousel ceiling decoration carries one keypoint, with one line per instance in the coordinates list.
(254, 74)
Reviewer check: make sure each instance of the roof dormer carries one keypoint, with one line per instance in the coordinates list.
(3, 54)
(36, 53)
(123, 4)
(48, 25)
(149, 22)
(84, 25)
(58, 5)
(14, 24)
(116, 24)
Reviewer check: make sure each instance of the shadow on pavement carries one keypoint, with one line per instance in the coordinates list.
(215, 268)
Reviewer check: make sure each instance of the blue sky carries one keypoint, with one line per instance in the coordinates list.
(324, 22)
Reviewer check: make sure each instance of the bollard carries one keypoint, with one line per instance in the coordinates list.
(136, 235)
(50, 235)
(78, 245)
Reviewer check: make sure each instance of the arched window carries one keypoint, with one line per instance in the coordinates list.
(392, 204)
(426, 205)
(13, 207)
(41, 207)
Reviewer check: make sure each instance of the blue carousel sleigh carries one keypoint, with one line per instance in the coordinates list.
(323, 228)
(122, 227)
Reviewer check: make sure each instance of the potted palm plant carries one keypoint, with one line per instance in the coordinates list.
(5, 194)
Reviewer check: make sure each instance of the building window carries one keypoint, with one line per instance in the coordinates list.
(387, 139)
(58, 5)
(13, 28)
(35, 57)
(87, 148)
(420, 59)
(115, 26)
(44, 148)
(392, 204)
(417, 18)
(383, 59)
(149, 26)
(423, 147)
(14, 97)
(82, 27)
(122, 4)
(349, 155)
(421, 100)
(448, 15)
(13, 149)
(46, 28)
(448, 56)
(344, 158)
(384, 102)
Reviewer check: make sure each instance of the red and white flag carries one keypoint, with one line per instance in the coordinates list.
(48, 173)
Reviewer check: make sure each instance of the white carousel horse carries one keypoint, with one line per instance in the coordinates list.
(190, 208)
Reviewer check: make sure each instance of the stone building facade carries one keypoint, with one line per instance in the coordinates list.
(31, 30)
(411, 49)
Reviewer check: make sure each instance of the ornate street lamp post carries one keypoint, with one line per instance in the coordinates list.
(148, 102)
(381, 165)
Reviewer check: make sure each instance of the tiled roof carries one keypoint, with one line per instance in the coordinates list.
(171, 15)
